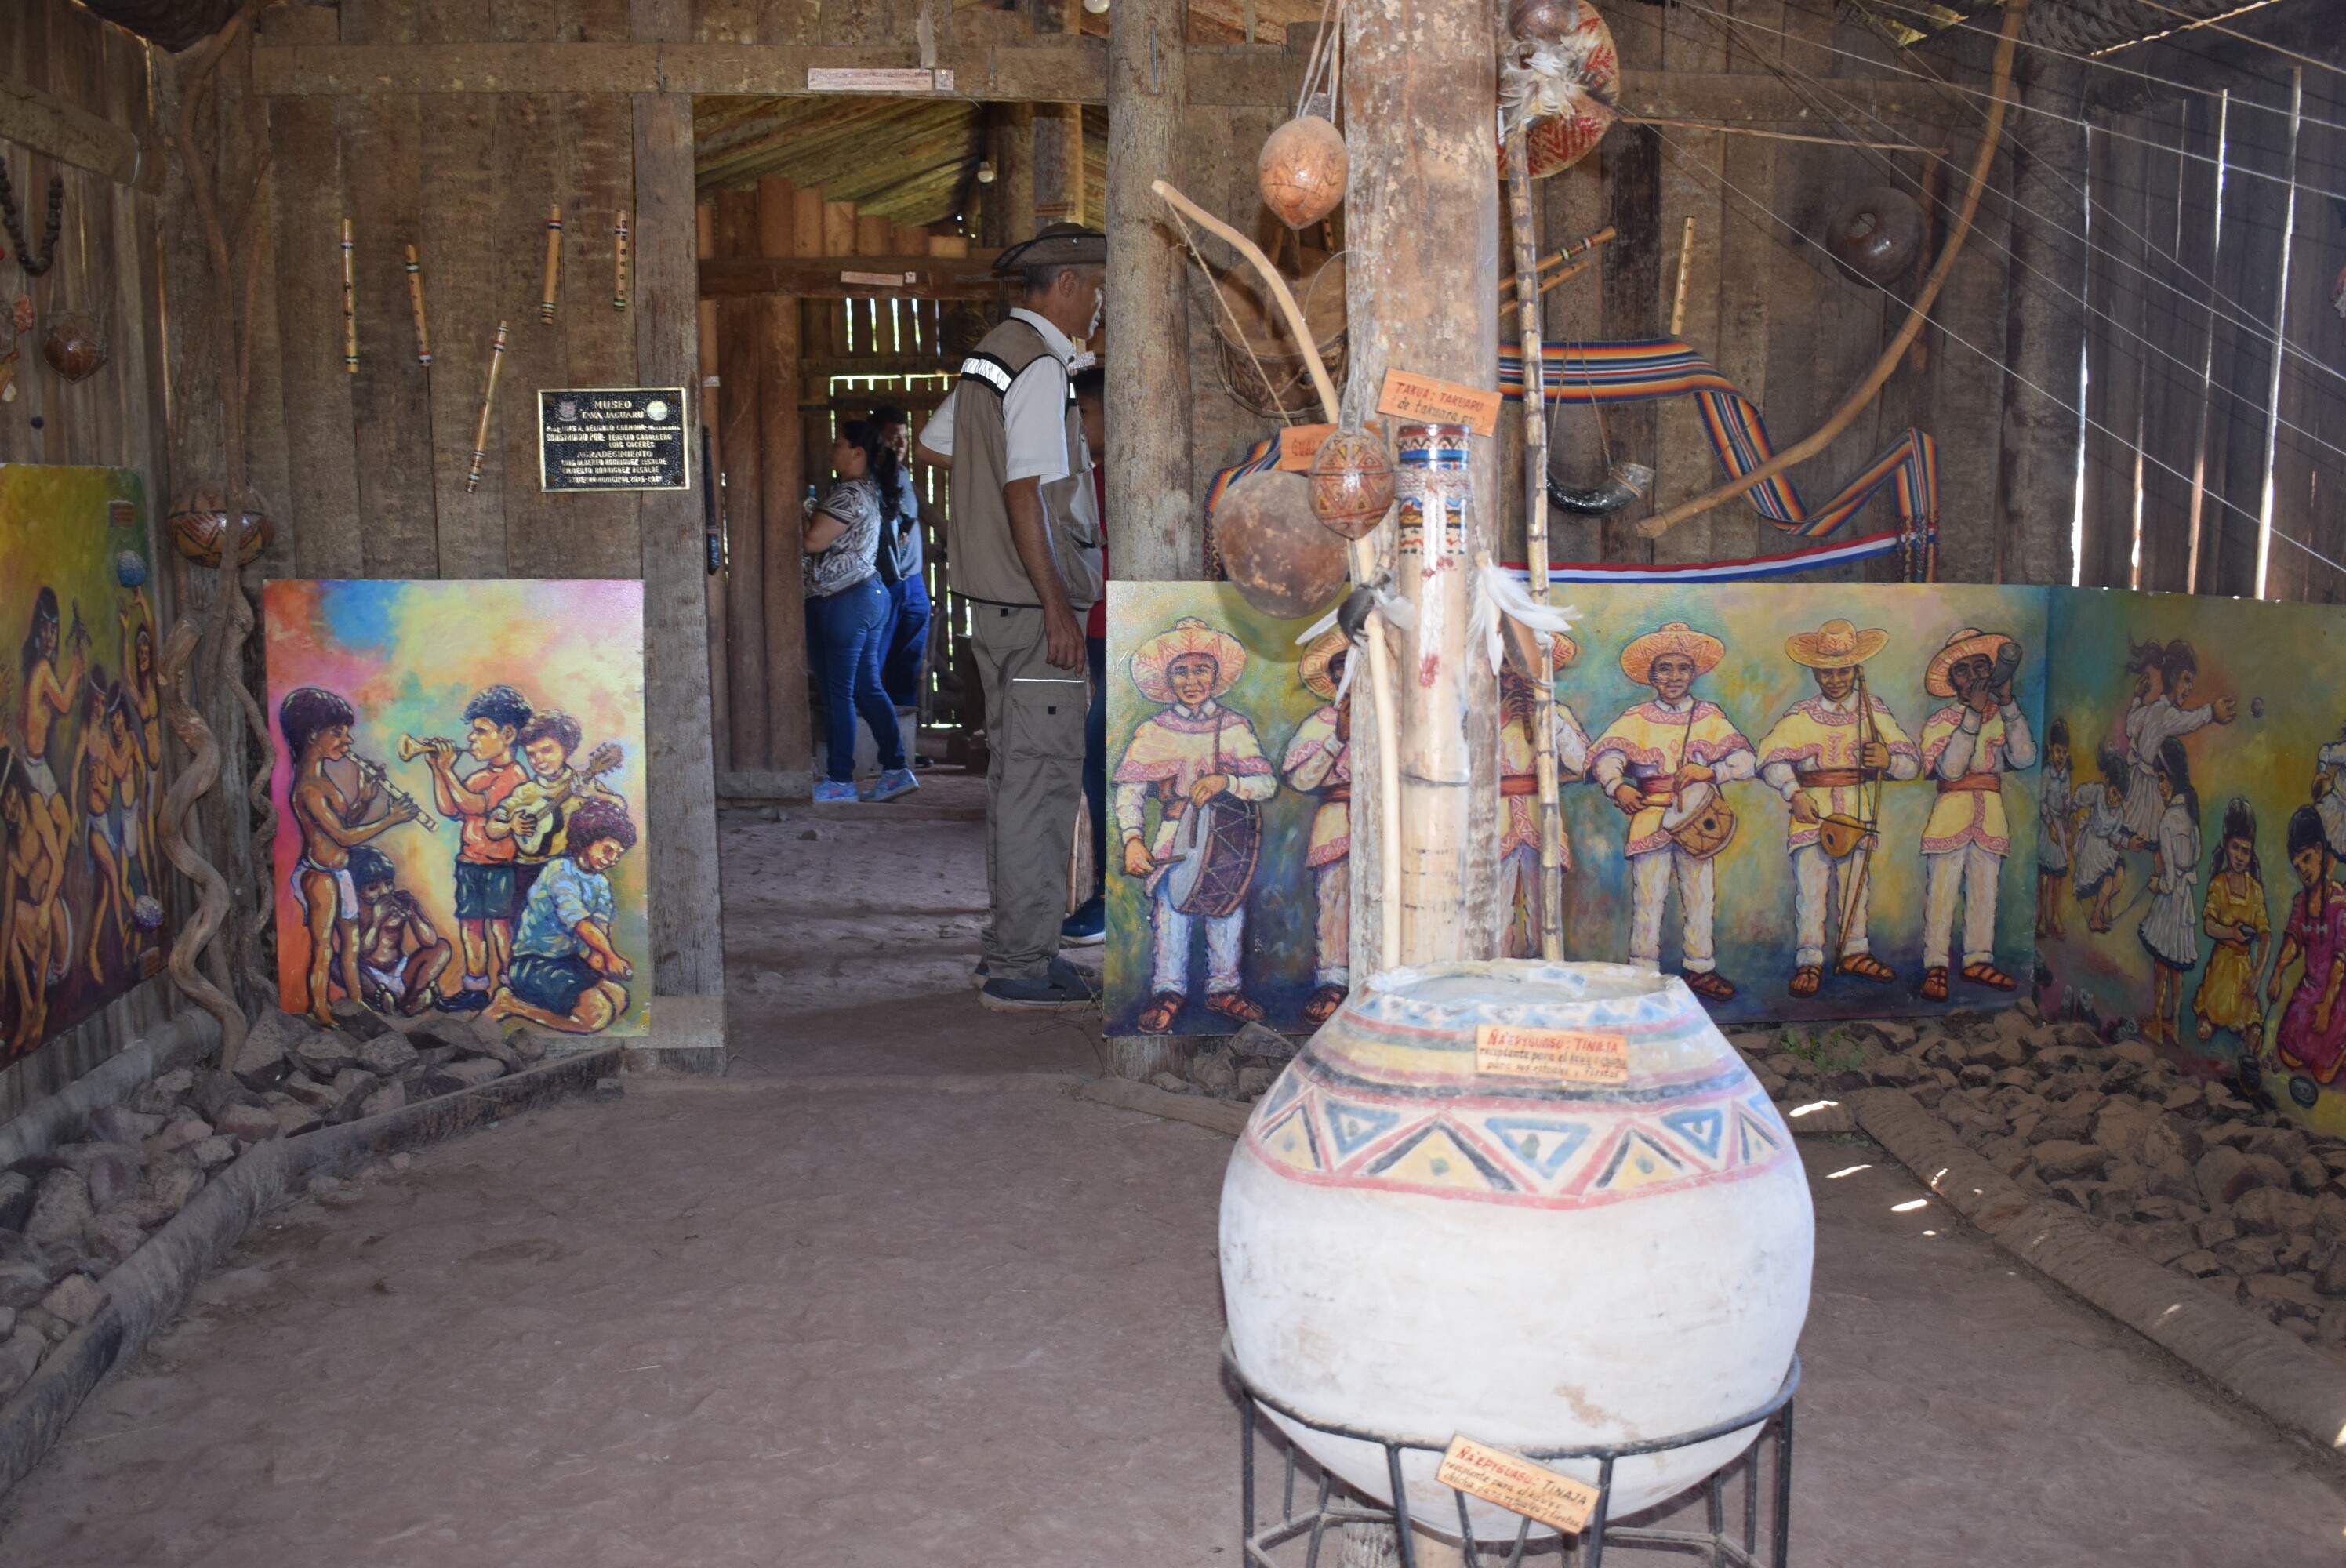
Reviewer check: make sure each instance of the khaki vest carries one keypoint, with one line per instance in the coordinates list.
(983, 559)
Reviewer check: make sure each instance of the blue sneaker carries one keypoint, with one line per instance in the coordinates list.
(1087, 927)
(831, 792)
(1058, 991)
(895, 782)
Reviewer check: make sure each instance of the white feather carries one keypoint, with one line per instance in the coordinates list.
(1498, 593)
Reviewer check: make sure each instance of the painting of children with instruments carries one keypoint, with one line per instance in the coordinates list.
(82, 897)
(420, 816)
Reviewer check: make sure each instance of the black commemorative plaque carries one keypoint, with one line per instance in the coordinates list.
(612, 438)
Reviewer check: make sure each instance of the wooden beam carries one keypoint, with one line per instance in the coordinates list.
(1066, 72)
(820, 277)
(55, 129)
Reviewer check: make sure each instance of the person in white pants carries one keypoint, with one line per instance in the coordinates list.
(1646, 761)
(1968, 746)
(1827, 756)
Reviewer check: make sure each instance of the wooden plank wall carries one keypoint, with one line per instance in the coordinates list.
(2187, 319)
(108, 260)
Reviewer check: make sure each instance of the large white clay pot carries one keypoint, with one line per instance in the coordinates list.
(1414, 1248)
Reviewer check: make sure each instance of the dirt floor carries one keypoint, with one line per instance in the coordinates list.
(890, 1295)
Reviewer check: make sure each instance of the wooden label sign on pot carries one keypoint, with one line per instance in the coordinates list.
(1517, 1485)
(1429, 400)
(1298, 445)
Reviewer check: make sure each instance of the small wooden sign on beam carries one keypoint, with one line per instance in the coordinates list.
(878, 79)
(880, 280)
(1429, 400)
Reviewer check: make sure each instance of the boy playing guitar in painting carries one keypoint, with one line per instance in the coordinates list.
(536, 815)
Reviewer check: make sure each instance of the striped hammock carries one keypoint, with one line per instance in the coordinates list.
(1649, 369)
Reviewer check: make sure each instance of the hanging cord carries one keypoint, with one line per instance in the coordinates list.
(2086, 310)
(2063, 404)
(1326, 64)
(1214, 284)
(2215, 24)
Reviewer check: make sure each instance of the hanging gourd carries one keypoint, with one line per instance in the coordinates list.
(1351, 483)
(1560, 80)
(1301, 170)
(1278, 556)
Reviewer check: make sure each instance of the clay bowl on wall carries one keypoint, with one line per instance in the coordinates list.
(198, 530)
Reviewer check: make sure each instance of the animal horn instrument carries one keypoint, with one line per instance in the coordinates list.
(1626, 483)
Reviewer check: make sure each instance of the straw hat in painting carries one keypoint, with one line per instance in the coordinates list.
(1189, 636)
(1520, 643)
(1677, 638)
(1318, 672)
(1836, 645)
(1961, 645)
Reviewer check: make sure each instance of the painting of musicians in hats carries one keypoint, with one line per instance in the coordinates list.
(1662, 763)
(1519, 836)
(1828, 756)
(1193, 755)
(1968, 746)
(1319, 761)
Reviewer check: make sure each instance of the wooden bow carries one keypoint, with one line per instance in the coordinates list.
(1661, 523)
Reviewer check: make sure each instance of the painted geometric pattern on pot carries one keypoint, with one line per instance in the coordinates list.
(1575, 1155)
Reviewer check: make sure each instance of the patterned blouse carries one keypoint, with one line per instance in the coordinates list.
(853, 555)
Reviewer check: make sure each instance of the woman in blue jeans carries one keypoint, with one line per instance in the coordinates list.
(847, 613)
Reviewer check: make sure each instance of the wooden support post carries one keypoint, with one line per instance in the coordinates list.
(2043, 335)
(1522, 214)
(680, 816)
(1010, 200)
(740, 332)
(781, 474)
(1059, 163)
(1424, 296)
(711, 463)
(1154, 530)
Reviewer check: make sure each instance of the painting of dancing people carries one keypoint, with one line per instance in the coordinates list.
(459, 789)
(2197, 901)
(83, 901)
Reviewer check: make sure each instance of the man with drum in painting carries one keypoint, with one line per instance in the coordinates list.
(1519, 835)
(1969, 746)
(1827, 756)
(1319, 761)
(1198, 760)
(1663, 762)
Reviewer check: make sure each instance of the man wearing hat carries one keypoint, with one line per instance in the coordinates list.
(1968, 746)
(1319, 761)
(1186, 756)
(1027, 555)
(1646, 761)
(1821, 756)
(1519, 839)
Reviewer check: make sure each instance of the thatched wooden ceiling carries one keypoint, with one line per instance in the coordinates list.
(909, 160)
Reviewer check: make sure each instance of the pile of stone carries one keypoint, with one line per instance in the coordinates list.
(70, 1216)
(2181, 1168)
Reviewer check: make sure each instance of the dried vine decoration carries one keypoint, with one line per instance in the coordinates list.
(229, 622)
(193, 780)
(33, 262)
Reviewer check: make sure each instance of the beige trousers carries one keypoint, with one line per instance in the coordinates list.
(1033, 787)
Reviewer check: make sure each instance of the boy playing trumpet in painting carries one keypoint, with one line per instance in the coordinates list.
(486, 899)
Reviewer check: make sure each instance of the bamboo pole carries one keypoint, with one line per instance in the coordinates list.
(552, 263)
(415, 304)
(1654, 527)
(1579, 247)
(1363, 564)
(488, 403)
(350, 306)
(1678, 297)
(1523, 223)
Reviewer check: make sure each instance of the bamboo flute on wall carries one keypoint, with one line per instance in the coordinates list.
(488, 405)
(415, 304)
(619, 261)
(349, 304)
(545, 298)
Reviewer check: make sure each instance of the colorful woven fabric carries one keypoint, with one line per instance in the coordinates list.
(1648, 370)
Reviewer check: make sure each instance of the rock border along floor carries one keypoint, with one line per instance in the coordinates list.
(103, 1238)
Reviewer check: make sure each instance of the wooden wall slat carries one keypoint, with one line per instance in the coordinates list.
(323, 503)
(2173, 393)
(602, 534)
(782, 477)
(2248, 271)
(464, 289)
(1692, 163)
(2307, 477)
(531, 129)
(391, 397)
(739, 327)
